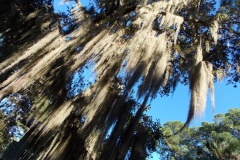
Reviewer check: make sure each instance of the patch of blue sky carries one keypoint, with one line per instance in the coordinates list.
(1, 40)
(154, 156)
(16, 132)
(175, 107)
(110, 129)
(6, 106)
(61, 6)
(81, 80)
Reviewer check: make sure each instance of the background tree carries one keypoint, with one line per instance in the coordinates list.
(137, 49)
(4, 136)
(217, 140)
(11, 112)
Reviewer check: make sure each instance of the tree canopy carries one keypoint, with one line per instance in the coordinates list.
(137, 50)
(217, 140)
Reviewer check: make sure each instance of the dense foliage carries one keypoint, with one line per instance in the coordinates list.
(217, 140)
(12, 111)
(4, 137)
(137, 50)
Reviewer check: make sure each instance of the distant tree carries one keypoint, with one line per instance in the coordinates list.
(218, 140)
(4, 136)
(137, 49)
(11, 112)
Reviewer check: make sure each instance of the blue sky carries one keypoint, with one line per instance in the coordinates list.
(175, 107)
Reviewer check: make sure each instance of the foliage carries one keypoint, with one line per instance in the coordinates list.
(12, 111)
(4, 136)
(137, 50)
(217, 140)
